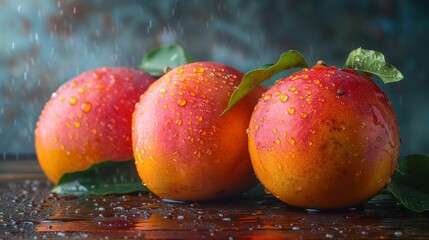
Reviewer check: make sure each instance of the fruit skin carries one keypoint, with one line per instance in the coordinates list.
(183, 149)
(88, 120)
(324, 138)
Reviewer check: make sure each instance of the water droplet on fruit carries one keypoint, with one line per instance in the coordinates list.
(76, 124)
(304, 76)
(190, 139)
(317, 82)
(291, 140)
(199, 69)
(162, 90)
(298, 188)
(277, 93)
(278, 141)
(182, 102)
(179, 122)
(96, 75)
(284, 97)
(199, 118)
(55, 139)
(73, 100)
(81, 90)
(197, 154)
(256, 127)
(304, 115)
(179, 71)
(267, 97)
(291, 110)
(292, 88)
(86, 107)
(94, 131)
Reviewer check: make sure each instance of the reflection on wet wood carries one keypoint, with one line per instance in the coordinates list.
(29, 210)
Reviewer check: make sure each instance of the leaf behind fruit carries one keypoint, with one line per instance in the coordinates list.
(373, 62)
(288, 60)
(410, 182)
(164, 56)
(108, 177)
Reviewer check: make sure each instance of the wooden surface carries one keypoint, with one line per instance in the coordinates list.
(28, 210)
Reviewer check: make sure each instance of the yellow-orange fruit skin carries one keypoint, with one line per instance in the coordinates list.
(88, 120)
(183, 148)
(324, 138)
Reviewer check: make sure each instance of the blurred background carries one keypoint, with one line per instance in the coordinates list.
(45, 43)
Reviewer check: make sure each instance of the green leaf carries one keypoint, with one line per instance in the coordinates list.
(288, 60)
(108, 177)
(410, 182)
(373, 62)
(157, 60)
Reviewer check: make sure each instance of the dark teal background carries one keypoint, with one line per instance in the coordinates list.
(45, 43)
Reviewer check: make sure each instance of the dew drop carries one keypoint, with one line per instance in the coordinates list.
(304, 76)
(197, 154)
(291, 140)
(256, 127)
(199, 118)
(304, 115)
(292, 88)
(73, 100)
(291, 110)
(76, 124)
(278, 141)
(81, 90)
(267, 97)
(277, 93)
(162, 90)
(199, 69)
(284, 97)
(86, 107)
(179, 71)
(96, 75)
(182, 102)
(179, 122)
(316, 82)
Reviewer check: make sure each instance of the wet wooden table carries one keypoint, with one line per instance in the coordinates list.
(28, 210)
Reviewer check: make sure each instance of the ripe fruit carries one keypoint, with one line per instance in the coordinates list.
(324, 138)
(88, 120)
(183, 148)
